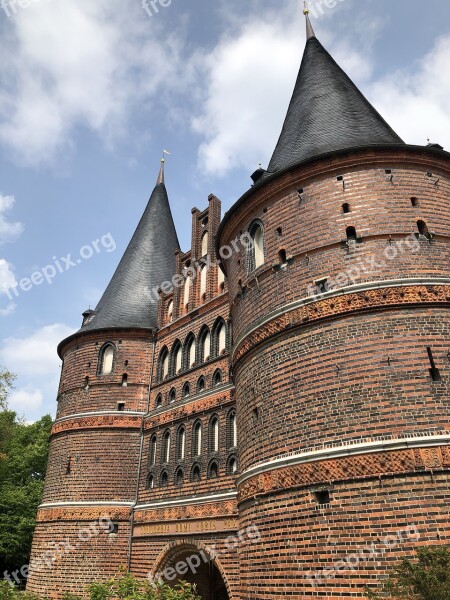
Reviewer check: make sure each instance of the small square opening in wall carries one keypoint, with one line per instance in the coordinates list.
(322, 497)
(388, 171)
(121, 406)
(340, 178)
(414, 201)
(114, 529)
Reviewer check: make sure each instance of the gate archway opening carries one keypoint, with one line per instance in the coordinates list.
(193, 564)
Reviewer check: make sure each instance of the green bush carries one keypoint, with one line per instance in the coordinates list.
(426, 578)
(124, 586)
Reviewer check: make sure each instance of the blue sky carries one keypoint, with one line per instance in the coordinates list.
(92, 92)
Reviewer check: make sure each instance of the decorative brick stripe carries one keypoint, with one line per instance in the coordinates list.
(226, 508)
(83, 513)
(350, 467)
(343, 304)
(186, 410)
(122, 421)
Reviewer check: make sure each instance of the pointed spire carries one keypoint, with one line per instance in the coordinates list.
(130, 300)
(309, 28)
(327, 112)
(160, 179)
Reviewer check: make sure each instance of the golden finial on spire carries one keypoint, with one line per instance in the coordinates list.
(309, 28)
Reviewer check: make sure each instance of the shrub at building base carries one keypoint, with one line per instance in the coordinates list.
(427, 578)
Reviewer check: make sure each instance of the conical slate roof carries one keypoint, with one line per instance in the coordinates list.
(148, 261)
(327, 112)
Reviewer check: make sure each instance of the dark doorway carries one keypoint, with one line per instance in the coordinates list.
(207, 578)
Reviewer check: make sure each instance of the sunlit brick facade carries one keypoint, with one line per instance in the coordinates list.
(296, 387)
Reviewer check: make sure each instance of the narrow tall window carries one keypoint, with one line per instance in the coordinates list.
(177, 360)
(205, 244)
(257, 250)
(422, 228)
(233, 430)
(220, 280)
(164, 358)
(222, 338)
(434, 371)
(217, 378)
(203, 278)
(207, 346)
(196, 473)
(166, 450)
(198, 439)
(124, 380)
(200, 385)
(351, 234)
(187, 292)
(170, 311)
(181, 444)
(346, 208)
(214, 435)
(214, 470)
(186, 390)
(153, 451)
(107, 359)
(150, 482)
(191, 353)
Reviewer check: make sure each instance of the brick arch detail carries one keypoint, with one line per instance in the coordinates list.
(178, 548)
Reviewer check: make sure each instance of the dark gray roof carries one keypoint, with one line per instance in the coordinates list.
(327, 113)
(148, 261)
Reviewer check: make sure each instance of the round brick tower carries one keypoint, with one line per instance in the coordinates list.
(341, 354)
(83, 524)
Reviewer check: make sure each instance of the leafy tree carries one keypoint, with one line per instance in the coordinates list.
(426, 578)
(23, 461)
(6, 381)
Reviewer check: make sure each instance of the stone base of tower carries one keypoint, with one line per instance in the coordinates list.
(332, 550)
(74, 547)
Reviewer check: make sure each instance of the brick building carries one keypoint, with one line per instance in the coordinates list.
(288, 424)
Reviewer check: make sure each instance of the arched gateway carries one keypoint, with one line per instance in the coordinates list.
(193, 562)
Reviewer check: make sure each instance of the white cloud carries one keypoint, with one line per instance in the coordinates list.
(67, 64)
(35, 355)
(25, 400)
(7, 281)
(34, 360)
(415, 101)
(250, 79)
(8, 231)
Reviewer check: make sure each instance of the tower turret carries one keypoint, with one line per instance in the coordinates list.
(102, 399)
(340, 313)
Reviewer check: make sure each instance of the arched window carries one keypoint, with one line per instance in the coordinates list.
(170, 311)
(163, 364)
(257, 247)
(166, 447)
(187, 293)
(200, 385)
(150, 482)
(213, 471)
(220, 280)
(197, 439)
(422, 228)
(196, 473)
(186, 390)
(106, 361)
(204, 244)
(190, 353)
(232, 430)
(153, 451)
(172, 395)
(217, 378)
(181, 444)
(164, 479)
(179, 476)
(158, 402)
(124, 380)
(207, 346)
(86, 383)
(232, 465)
(221, 338)
(176, 359)
(351, 234)
(203, 279)
(214, 434)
